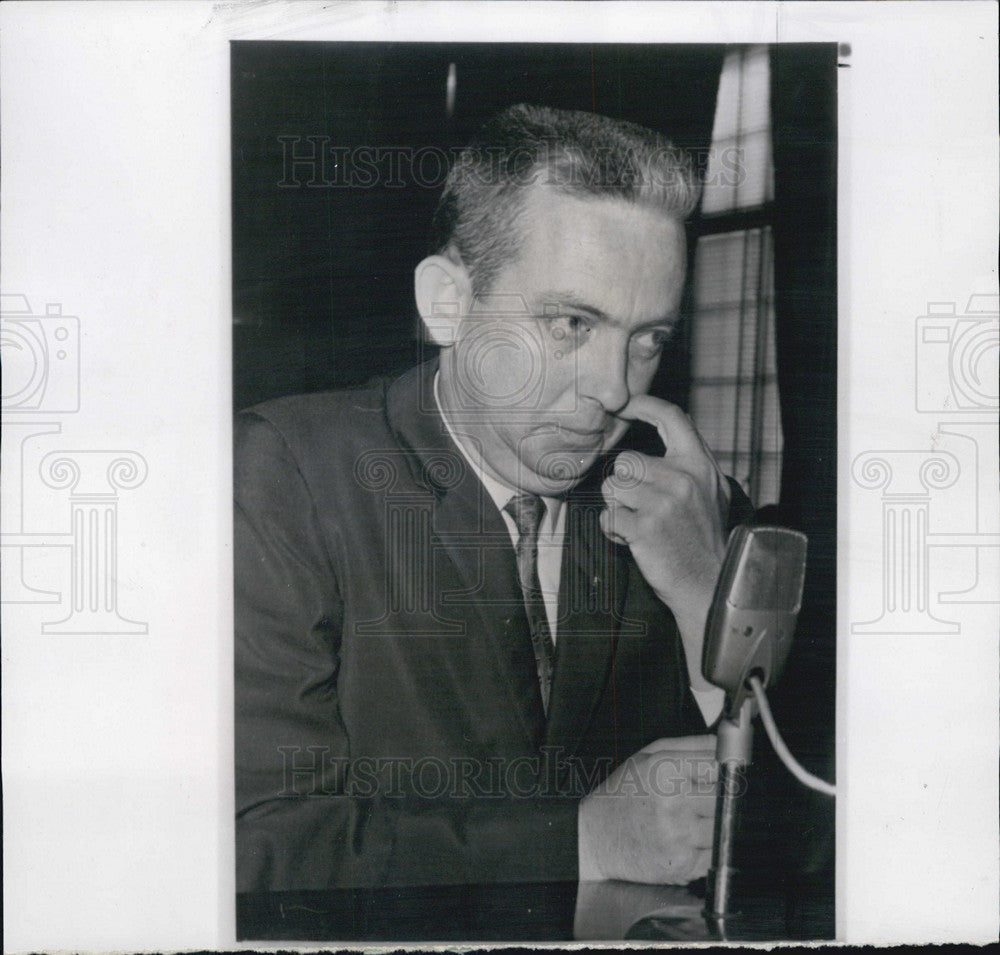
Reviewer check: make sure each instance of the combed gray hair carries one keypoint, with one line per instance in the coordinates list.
(576, 153)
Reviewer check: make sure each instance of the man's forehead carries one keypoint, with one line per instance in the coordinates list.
(584, 232)
(605, 254)
(544, 202)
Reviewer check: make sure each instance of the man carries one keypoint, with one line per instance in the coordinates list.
(456, 614)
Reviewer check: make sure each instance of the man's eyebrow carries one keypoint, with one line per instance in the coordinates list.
(552, 303)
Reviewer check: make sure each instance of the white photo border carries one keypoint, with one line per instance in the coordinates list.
(115, 216)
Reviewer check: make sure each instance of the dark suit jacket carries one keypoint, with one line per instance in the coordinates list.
(389, 727)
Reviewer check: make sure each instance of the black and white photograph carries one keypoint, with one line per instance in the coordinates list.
(523, 335)
(499, 474)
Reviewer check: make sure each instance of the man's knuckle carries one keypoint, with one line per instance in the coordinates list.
(630, 470)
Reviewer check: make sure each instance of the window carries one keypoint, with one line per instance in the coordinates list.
(734, 384)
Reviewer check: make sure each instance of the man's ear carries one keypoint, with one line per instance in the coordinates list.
(444, 297)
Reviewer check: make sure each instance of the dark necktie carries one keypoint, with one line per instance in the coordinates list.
(527, 510)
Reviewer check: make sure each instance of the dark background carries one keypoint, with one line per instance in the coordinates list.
(322, 284)
(323, 274)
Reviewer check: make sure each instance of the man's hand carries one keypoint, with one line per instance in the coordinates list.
(671, 513)
(651, 820)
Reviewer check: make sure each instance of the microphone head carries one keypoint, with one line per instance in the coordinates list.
(755, 608)
(770, 570)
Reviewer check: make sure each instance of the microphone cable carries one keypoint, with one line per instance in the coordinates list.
(801, 774)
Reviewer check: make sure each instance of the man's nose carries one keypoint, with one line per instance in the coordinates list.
(606, 380)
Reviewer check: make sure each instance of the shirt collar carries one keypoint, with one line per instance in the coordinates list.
(500, 493)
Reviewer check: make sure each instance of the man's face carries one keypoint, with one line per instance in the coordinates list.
(570, 331)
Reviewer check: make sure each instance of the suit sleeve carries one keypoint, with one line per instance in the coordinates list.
(740, 508)
(303, 820)
(289, 740)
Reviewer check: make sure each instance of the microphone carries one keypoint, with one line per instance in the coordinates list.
(747, 635)
(754, 609)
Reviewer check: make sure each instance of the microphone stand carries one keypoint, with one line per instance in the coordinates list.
(733, 752)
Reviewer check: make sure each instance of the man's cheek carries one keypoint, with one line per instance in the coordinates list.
(641, 375)
(495, 373)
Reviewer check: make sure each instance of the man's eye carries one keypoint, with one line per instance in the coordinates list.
(653, 340)
(574, 327)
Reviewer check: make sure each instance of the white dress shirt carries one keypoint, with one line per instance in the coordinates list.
(551, 536)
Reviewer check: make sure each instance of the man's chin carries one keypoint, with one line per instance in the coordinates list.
(554, 462)
(560, 470)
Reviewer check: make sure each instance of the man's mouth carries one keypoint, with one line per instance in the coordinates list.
(580, 432)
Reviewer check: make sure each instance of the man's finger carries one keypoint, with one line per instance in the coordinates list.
(620, 494)
(708, 772)
(694, 863)
(702, 833)
(673, 426)
(618, 524)
(680, 774)
(704, 805)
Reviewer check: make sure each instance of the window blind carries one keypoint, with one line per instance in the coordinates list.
(734, 398)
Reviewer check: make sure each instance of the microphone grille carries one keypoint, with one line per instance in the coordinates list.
(771, 570)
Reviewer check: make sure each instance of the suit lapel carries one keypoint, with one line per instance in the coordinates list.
(486, 567)
(469, 530)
